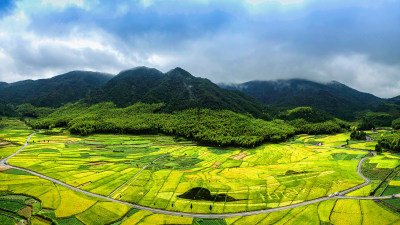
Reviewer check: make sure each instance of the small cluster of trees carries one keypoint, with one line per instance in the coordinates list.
(358, 135)
(378, 149)
(390, 141)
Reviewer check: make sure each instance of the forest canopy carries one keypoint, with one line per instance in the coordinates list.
(214, 127)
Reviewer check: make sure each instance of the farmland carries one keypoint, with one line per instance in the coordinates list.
(155, 170)
(255, 178)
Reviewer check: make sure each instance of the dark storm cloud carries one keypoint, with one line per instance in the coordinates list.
(372, 30)
(133, 21)
(353, 42)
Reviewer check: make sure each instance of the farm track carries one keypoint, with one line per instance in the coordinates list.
(341, 194)
(144, 167)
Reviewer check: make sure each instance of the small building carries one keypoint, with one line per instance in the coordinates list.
(369, 138)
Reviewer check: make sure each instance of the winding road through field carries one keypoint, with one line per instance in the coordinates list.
(341, 194)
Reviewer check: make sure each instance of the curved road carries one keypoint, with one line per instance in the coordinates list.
(4, 161)
(203, 215)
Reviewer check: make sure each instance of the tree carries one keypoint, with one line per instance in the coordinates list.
(378, 149)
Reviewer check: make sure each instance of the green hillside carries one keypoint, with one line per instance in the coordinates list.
(178, 89)
(53, 92)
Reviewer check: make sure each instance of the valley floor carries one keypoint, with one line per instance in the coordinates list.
(156, 171)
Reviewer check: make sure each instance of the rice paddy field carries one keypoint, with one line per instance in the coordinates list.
(157, 171)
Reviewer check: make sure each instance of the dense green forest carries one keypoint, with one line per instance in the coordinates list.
(215, 127)
(382, 115)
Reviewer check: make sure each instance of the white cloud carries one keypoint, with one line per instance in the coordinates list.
(63, 3)
(283, 2)
(360, 72)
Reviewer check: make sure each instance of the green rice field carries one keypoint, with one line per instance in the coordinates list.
(156, 170)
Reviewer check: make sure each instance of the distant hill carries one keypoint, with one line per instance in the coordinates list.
(178, 89)
(334, 97)
(53, 92)
(394, 100)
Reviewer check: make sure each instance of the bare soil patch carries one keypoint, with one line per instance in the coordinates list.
(97, 164)
(216, 165)
(27, 211)
(239, 156)
(4, 168)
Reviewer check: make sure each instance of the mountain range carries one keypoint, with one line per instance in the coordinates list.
(333, 97)
(53, 92)
(179, 90)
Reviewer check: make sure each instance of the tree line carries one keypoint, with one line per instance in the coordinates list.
(211, 127)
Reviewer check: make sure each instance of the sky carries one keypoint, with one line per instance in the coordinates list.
(355, 42)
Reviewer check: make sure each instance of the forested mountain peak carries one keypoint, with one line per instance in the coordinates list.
(179, 72)
(139, 74)
(140, 71)
(178, 89)
(128, 87)
(80, 74)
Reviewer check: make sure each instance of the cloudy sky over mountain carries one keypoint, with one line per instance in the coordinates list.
(354, 42)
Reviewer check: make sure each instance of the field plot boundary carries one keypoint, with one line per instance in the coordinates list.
(203, 215)
(144, 167)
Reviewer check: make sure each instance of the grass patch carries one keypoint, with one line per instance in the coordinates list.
(69, 221)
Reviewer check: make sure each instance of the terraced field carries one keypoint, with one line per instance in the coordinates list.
(157, 171)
